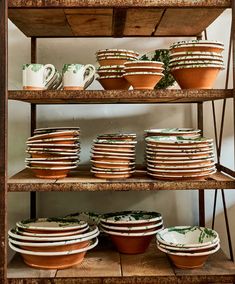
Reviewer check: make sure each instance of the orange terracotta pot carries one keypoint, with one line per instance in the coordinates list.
(131, 245)
(216, 49)
(114, 83)
(188, 262)
(143, 81)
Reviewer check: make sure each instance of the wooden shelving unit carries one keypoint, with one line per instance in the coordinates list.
(114, 18)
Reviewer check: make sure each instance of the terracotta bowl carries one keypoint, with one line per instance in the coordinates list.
(114, 83)
(50, 173)
(183, 63)
(114, 149)
(52, 165)
(188, 262)
(45, 155)
(143, 63)
(113, 159)
(112, 176)
(128, 230)
(114, 61)
(60, 135)
(143, 81)
(196, 78)
(143, 69)
(70, 142)
(111, 165)
(38, 233)
(199, 48)
(110, 73)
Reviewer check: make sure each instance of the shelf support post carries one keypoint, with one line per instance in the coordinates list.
(33, 114)
(3, 136)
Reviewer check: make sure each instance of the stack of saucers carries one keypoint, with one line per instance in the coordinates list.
(174, 158)
(53, 151)
(131, 231)
(113, 155)
(53, 243)
(111, 70)
(188, 247)
(143, 74)
(195, 64)
(185, 133)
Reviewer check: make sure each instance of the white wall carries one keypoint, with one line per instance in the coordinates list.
(177, 207)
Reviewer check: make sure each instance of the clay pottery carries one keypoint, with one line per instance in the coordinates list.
(70, 141)
(58, 134)
(114, 60)
(51, 165)
(108, 73)
(143, 80)
(204, 58)
(176, 55)
(183, 63)
(195, 77)
(131, 228)
(53, 159)
(49, 155)
(117, 51)
(117, 175)
(144, 63)
(51, 173)
(47, 130)
(109, 165)
(150, 69)
(200, 48)
(112, 159)
(114, 83)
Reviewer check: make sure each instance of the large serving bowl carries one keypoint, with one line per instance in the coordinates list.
(114, 83)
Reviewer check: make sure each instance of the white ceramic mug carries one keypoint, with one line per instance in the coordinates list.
(37, 76)
(78, 76)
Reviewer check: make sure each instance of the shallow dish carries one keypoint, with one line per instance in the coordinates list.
(56, 145)
(197, 47)
(177, 140)
(54, 141)
(108, 153)
(114, 83)
(143, 80)
(179, 150)
(173, 131)
(180, 177)
(117, 50)
(55, 129)
(179, 167)
(194, 53)
(51, 159)
(115, 141)
(57, 134)
(51, 173)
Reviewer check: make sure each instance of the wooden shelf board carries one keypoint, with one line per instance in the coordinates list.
(105, 265)
(119, 96)
(118, 18)
(83, 180)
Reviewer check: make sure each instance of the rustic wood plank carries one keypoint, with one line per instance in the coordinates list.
(119, 22)
(81, 180)
(118, 96)
(85, 22)
(142, 22)
(186, 22)
(41, 22)
(118, 3)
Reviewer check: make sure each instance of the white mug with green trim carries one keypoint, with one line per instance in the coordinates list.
(78, 76)
(37, 76)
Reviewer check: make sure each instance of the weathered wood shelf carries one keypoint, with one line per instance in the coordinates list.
(119, 96)
(116, 18)
(83, 180)
(106, 266)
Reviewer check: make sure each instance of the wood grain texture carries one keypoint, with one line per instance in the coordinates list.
(186, 22)
(83, 180)
(118, 3)
(118, 96)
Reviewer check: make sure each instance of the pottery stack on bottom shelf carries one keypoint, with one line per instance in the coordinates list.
(113, 155)
(179, 156)
(143, 75)
(53, 151)
(195, 64)
(53, 243)
(111, 67)
(188, 247)
(131, 231)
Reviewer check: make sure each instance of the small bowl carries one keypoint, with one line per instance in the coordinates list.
(114, 83)
(114, 60)
(51, 173)
(151, 69)
(144, 63)
(198, 48)
(143, 80)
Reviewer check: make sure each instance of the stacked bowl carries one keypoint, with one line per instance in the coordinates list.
(195, 64)
(53, 243)
(143, 75)
(111, 67)
(113, 155)
(53, 151)
(188, 247)
(131, 231)
(179, 157)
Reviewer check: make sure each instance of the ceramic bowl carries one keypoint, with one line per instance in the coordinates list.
(171, 177)
(189, 260)
(53, 260)
(51, 155)
(117, 51)
(196, 63)
(194, 54)
(115, 141)
(114, 60)
(60, 141)
(197, 47)
(143, 80)
(117, 136)
(107, 165)
(151, 69)
(196, 76)
(51, 173)
(57, 134)
(197, 42)
(55, 145)
(145, 63)
(113, 159)
(217, 59)
(177, 141)
(172, 131)
(113, 175)
(114, 83)
(111, 72)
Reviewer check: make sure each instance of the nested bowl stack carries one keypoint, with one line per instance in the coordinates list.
(53, 152)
(179, 158)
(195, 64)
(143, 75)
(53, 243)
(188, 247)
(131, 231)
(113, 156)
(111, 67)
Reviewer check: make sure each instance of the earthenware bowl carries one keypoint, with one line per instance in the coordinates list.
(116, 175)
(143, 80)
(70, 141)
(107, 165)
(145, 63)
(194, 54)
(118, 51)
(112, 159)
(182, 63)
(55, 129)
(111, 72)
(198, 47)
(114, 83)
(51, 173)
(57, 134)
(151, 69)
(114, 60)
(53, 260)
(117, 136)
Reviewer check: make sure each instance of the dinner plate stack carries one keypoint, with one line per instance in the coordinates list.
(53, 243)
(131, 231)
(188, 247)
(113, 155)
(53, 151)
(111, 67)
(179, 157)
(195, 64)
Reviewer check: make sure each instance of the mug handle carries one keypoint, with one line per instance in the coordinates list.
(88, 79)
(51, 73)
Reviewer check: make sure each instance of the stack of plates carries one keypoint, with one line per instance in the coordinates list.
(185, 133)
(188, 247)
(113, 155)
(53, 151)
(111, 70)
(175, 157)
(131, 231)
(53, 243)
(143, 74)
(195, 64)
